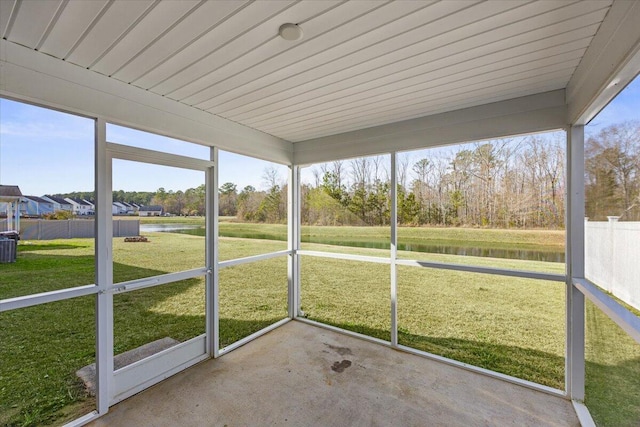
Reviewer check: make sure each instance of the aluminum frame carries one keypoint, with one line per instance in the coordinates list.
(212, 285)
(628, 322)
(393, 252)
(104, 270)
(46, 297)
(394, 262)
(188, 357)
(293, 239)
(575, 321)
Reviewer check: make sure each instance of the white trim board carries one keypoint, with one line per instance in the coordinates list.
(610, 63)
(528, 114)
(35, 77)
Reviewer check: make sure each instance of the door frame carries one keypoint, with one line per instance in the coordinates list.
(142, 374)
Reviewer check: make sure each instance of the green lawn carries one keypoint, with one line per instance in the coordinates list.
(612, 386)
(510, 325)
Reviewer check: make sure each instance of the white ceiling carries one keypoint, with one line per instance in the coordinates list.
(360, 63)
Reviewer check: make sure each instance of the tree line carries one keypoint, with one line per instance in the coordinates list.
(612, 172)
(504, 183)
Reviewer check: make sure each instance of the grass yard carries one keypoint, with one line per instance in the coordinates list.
(511, 325)
(612, 385)
(41, 347)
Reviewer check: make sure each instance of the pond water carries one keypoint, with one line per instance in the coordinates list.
(523, 254)
(169, 228)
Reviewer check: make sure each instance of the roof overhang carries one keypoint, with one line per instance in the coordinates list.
(607, 63)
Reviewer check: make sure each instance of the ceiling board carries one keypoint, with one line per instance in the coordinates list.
(439, 83)
(419, 60)
(251, 49)
(368, 44)
(183, 66)
(431, 104)
(195, 25)
(359, 64)
(75, 19)
(158, 21)
(113, 24)
(327, 32)
(32, 20)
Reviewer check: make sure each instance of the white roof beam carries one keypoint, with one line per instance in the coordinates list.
(35, 77)
(527, 114)
(609, 64)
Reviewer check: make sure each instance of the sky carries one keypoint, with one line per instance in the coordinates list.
(46, 152)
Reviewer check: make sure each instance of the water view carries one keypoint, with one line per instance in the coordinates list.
(523, 254)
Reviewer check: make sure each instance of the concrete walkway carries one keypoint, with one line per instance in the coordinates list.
(302, 375)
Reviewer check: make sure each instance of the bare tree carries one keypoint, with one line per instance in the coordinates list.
(271, 177)
(337, 167)
(360, 171)
(378, 166)
(402, 166)
(317, 176)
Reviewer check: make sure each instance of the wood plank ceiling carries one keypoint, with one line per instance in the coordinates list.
(360, 63)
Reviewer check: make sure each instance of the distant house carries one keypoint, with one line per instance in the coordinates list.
(150, 210)
(130, 208)
(118, 208)
(59, 204)
(36, 206)
(80, 207)
(92, 206)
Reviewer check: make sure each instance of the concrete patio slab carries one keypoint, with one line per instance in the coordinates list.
(302, 375)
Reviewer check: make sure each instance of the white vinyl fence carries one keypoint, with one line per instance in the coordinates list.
(612, 258)
(39, 229)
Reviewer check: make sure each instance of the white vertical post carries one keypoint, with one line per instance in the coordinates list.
(213, 284)
(575, 363)
(394, 251)
(11, 224)
(17, 228)
(104, 270)
(293, 237)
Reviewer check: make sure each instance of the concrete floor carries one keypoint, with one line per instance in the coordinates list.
(302, 375)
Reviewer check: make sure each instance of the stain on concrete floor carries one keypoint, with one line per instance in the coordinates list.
(339, 367)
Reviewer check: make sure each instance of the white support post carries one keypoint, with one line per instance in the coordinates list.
(17, 217)
(575, 348)
(294, 241)
(213, 285)
(104, 270)
(394, 251)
